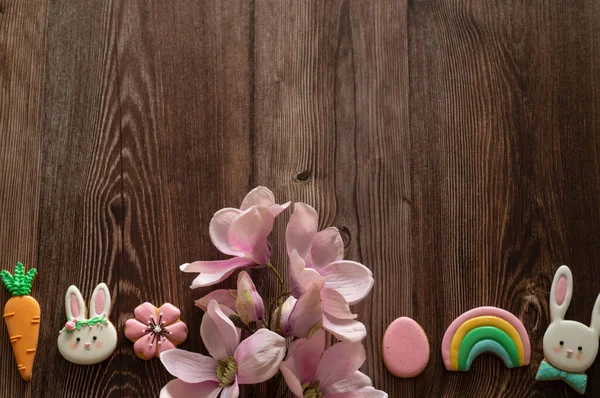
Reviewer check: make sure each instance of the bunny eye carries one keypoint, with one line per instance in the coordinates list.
(97, 337)
(78, 339)
(580, 348)
(562, 342)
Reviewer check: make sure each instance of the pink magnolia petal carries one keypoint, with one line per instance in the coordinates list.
(344, 329)
(169, 312)
(189, 366)
(352, 280)
(284, 321)
(216, 267)
(277, 209)
(233, 391)
(259, 356)
(301, 229)
(218, 333)
(305, 355)
(177, 332)
(258, 196)
(335, 304)
(356, 382)
(251, 229)
(367, 392)
(339, 362)
(291, 380)
(219, 227)
(250, 306)
(142, 347)
(303, 277)
(307, 315)
(214, 271)
(225, 297)
(134, 329)
(327, 247)
(145, 312)
(164, 345)
(179, 388)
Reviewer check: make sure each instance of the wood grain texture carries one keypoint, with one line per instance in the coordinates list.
(504, 157)
(81, 205)
(454, 144)
(185, 103)
(22, 77)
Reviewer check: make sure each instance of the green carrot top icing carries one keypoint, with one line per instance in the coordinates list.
(20, 283)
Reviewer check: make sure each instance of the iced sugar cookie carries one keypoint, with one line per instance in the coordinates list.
(155, 330)
(87, 340)
(405, 348)
(570, 347)
(485, 330)
(22, 317)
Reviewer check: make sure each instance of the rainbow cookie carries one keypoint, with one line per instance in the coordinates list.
(485, 329)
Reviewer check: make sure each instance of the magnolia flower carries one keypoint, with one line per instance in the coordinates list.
(241, 233)
(310, 371)
(316, 258)
(230, 363)
(245, 301)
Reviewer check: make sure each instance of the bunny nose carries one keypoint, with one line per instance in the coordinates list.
(569, 353)
(88, 346)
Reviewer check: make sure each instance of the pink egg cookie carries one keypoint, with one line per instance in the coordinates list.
(405, 348)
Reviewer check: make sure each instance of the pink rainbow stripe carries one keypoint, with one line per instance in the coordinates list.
(483, 311)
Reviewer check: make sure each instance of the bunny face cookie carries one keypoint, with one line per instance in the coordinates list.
(87, 340)
(570, 347)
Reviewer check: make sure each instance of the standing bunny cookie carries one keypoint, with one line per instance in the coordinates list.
(570, 347)
(87, 340)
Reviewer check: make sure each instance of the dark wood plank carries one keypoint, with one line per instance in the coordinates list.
(81, 209)
(185, 83)
(504, 113)
(331, 130)
(22, 61)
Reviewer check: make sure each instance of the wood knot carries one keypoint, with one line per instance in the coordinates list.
(345, 234)
(303, 176)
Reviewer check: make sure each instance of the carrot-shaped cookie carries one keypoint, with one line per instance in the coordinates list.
(22, 317)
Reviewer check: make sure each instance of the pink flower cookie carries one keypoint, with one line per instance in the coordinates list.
(155, 330)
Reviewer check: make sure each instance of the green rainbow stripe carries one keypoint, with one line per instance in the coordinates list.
(487, 333)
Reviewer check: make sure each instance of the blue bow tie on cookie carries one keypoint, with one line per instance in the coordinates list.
(548, 372)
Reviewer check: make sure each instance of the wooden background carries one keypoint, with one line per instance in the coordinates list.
(454, 143)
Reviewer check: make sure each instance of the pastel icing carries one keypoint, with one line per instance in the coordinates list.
(470, 333)
(87, 340)
(490, 346)
(155, 330)
(405, 348)
(570, 347)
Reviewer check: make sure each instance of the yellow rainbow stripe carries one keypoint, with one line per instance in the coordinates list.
(481, 321)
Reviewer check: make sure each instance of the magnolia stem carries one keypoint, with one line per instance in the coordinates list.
(270, 266)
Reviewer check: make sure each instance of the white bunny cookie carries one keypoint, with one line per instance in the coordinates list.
(570, 347)
(87, 340)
